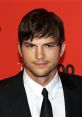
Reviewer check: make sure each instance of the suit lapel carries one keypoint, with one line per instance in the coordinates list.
(72, 104)
(18, 102)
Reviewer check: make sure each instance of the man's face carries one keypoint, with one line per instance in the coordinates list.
(41, 56)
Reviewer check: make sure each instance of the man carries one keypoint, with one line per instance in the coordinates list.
(40, 90)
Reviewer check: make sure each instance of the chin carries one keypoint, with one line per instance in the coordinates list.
(41, 74)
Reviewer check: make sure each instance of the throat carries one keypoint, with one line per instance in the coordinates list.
(42, 80)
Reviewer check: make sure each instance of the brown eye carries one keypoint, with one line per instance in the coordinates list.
(29, 45)
(50, 45)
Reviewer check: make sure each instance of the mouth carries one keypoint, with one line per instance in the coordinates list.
(40, 64)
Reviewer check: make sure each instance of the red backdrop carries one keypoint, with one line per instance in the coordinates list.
(11, 13)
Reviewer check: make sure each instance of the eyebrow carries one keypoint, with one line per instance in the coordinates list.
(35, 44)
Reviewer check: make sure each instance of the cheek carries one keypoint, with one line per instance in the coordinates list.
(53, 55)
(27, 56)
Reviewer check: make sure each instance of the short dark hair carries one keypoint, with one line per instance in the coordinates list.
(41, 23)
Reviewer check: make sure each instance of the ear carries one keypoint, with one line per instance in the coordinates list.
(62, 49)
(20, 49)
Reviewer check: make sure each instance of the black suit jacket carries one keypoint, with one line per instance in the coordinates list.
(13, 100)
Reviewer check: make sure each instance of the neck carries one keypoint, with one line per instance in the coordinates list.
(42, 80)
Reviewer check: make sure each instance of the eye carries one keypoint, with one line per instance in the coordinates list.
(50, 45)
(29, 45)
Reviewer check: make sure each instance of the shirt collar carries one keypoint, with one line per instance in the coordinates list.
(53, 85)
(32, 85)
(37, 88)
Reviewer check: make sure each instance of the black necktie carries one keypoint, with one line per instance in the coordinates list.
(46, 109)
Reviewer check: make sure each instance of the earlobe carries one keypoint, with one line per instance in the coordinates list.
(62, 49)
(19, 49)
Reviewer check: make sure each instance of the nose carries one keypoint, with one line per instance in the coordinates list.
(39, 53)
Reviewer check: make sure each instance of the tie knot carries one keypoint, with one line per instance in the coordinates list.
(45, 93)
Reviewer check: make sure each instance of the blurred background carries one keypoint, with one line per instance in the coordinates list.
(11, 12)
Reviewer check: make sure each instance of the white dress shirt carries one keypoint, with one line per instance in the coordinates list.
(35, 98)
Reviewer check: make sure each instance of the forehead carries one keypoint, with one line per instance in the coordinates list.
(41, 40)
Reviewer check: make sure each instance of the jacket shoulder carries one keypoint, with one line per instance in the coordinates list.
(10, 81)
(73, 76)
(71, 79)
